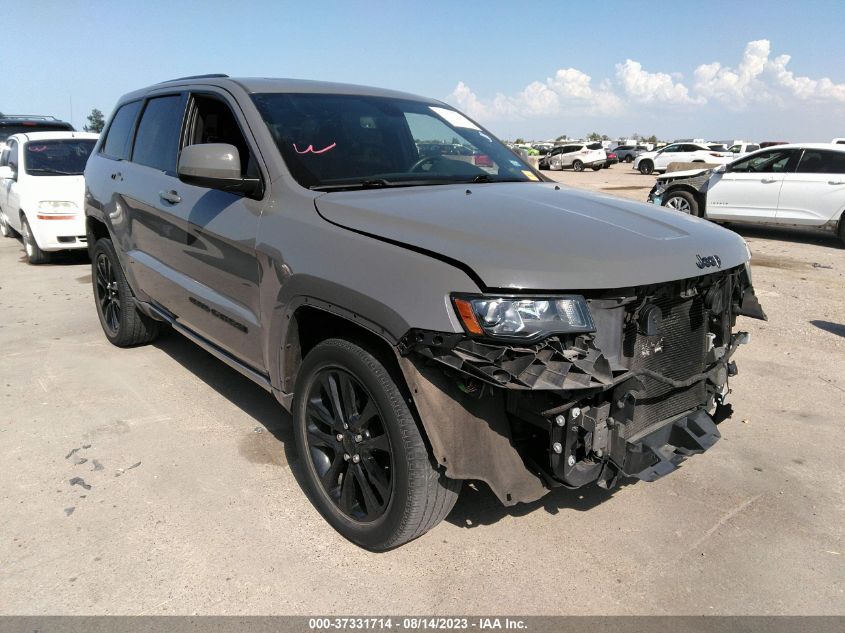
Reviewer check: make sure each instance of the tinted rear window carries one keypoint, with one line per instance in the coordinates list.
(7, 129)
(119, 135)
(157, 139)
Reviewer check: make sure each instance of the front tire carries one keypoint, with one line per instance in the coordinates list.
(683, 202)
(629, 159)
(34, 254)
(578, 165)
(646, 167)
(123, 324)
(366, 467)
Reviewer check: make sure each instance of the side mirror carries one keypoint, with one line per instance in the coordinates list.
(215, 166)
(721, 169)
(6, 172)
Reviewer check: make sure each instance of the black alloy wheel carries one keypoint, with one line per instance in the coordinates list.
(365, 463)
(108, 296)
(348, 445)
(646, 167)
(123, 323)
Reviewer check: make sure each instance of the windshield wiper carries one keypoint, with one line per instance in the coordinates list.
(378, 183)
(487, 178)
(48, 170)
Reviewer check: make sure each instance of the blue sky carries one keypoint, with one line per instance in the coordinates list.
(722, 70)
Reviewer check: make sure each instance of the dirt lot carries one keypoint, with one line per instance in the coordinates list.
(157, 480)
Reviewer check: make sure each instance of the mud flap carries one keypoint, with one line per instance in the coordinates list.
(663, 451)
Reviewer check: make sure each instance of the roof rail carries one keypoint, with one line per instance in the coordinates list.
(28, 117)
(209, 76)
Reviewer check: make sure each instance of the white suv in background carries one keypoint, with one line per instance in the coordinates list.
(42, 191)
(658, 161)
(577, 156)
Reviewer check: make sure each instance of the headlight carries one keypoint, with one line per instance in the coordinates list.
(517, 317)
(56, 206)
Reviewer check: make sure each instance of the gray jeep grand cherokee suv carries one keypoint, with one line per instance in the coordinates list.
(427, 318)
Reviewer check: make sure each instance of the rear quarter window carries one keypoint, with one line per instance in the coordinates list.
(119, 135)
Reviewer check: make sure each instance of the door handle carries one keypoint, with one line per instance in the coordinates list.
(170, 196)
(768, 180)
(836, 182)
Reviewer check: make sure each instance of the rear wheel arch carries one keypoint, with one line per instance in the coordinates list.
(95, 229)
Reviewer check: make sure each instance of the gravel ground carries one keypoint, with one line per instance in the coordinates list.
(156, 480)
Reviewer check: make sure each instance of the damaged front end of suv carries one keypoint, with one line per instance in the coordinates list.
(565, 390)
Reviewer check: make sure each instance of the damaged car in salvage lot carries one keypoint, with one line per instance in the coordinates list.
(787, 185)
(425, 320)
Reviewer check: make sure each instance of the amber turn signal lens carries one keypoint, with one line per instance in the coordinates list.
(464, 308)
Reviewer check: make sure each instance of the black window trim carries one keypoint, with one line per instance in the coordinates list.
(101, 151)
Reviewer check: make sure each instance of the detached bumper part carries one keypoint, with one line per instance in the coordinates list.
(662, 451)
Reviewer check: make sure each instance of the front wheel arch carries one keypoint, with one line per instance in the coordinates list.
(700, 198)
(310, 325)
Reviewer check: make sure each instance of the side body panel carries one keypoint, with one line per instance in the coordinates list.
(747, 197)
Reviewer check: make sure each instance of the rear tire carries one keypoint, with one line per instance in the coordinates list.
(123, 324)
(683, 202)
(597, 167)
(34, 254)
(841, 228)
(377, 485)
(629, 159)
(577, 165)
(646, 167)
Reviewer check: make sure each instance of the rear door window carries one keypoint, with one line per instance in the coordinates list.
(119, 135)
(819, 161)
(157, 139)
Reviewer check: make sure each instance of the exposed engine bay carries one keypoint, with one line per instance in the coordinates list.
(633, 398)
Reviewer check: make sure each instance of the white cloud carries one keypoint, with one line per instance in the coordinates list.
(759, 78)
(642, 86)
(570, 91)
(633, 90)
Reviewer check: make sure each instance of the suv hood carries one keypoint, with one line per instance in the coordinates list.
(534, 236)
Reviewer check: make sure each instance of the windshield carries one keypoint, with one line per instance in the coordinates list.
(6, 130)
(332, 141)
(57, 158)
